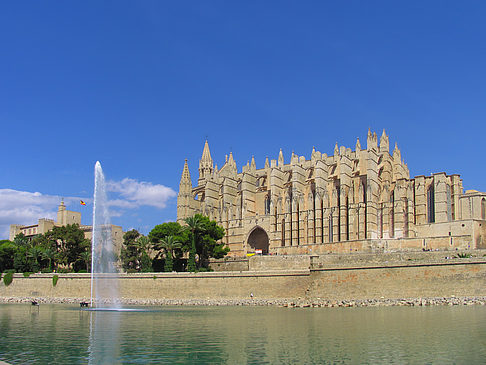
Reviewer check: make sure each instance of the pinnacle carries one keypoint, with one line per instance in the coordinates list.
(206, 155)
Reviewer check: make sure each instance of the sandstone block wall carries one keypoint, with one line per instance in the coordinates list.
(467, 278)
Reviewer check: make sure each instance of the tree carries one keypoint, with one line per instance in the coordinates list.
(194, 226)
(21, 261)
(69, 242)
(50, 255)
(135, 253)
(145, 262)
(169, 244)
(129, 252)
(209, 246)
(160, 232)
(21, 240)
(86, 258)
(35, 253)
(7, 253)
(205, 235)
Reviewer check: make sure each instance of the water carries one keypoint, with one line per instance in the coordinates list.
(104, 274)
(243, 335)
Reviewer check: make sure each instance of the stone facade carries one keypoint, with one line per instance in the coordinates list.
(361, 200)
(64, 217)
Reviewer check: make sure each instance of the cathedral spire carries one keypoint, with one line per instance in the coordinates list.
(267, 165)
(358, 145)
(185, 185)
(205, 164)
(280, 159)
(336, 149)
(396, 153)
(253, 164)
(206, 155)
(384, 142)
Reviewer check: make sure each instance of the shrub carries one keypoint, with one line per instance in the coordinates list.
(55, 278)
(27, 274)
(155, 277)
(7, 278)
(204, 269)
(463, 255)
(83, 271)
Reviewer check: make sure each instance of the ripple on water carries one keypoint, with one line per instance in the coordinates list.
(256, 335)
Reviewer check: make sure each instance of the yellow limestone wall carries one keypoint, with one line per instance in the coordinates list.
(426, 280)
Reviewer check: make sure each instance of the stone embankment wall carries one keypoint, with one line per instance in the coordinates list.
(443, 243)
(357, 259)
(330, 278)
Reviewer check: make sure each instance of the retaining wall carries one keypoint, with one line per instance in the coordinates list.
(391, 282)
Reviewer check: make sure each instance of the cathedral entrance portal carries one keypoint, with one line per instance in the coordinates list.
(258, 240)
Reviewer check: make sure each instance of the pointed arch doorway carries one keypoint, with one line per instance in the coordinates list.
(258, 240)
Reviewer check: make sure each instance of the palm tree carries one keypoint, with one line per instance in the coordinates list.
(144, 261)
(86, 258)
(194, 224)
(36, 254)
(169, 244)
(143, 244)
(50, 255)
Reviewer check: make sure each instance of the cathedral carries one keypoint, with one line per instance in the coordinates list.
(353, 201)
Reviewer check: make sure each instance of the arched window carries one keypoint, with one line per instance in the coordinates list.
(267, 204)
(330, 227)
(338, 192)
(322, 221)
(365, 210)
(347, 219)
(380, 220)
(431, 204)
(449, 207)
(298, 224)
(405, 220)
(283, 233)
(275, 215)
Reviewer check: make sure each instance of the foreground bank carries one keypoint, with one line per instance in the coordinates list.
(288, 303)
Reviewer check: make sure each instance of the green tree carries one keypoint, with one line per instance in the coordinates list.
(69, 242)
(50, 255)
(35, 253)
(85, 257)
(205, 235)
(145, 261)
(21, 261)
(194, 226)
(7, 253)
(161, 231)
(21, 240)
(129, 252)
(169, 245)
(209, 245)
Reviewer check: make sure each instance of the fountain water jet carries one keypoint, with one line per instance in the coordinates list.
(104, 273)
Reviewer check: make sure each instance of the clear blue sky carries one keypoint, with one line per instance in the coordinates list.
(139, 85)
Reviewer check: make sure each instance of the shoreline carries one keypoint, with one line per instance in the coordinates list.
(286, 303)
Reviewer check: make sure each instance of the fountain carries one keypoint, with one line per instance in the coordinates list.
(104, 273)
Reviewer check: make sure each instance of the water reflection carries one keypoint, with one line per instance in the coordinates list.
(104, 337)
(243, 335)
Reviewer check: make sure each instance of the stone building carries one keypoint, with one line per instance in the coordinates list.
(64, 217)
(362, 200)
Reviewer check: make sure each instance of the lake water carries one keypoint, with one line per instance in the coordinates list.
(62, 334)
